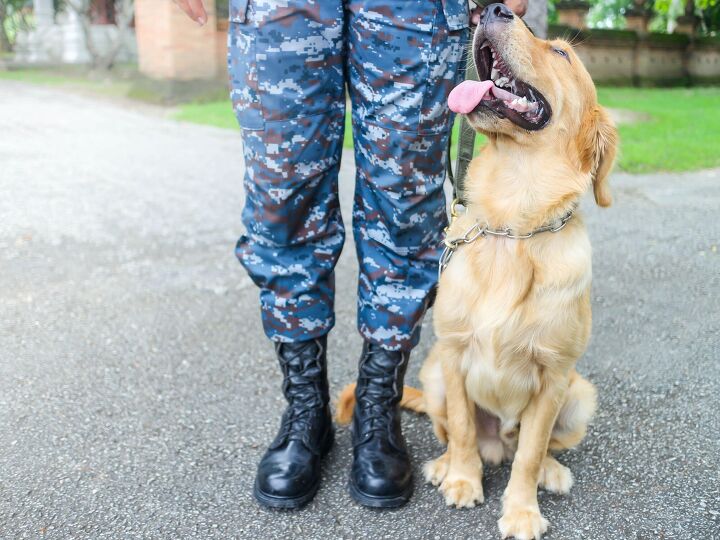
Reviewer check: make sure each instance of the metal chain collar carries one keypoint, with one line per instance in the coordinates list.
(477, 230)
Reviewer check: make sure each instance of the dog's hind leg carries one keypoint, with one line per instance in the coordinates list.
(554, 476)
(569, 429)
(435, 470)
(575, 414)
(491, 446)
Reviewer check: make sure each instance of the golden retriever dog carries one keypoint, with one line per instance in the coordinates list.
(512, 314)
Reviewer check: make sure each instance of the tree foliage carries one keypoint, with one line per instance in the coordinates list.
(611, 13)
(708, 12)
(608, 13)
(13, 17)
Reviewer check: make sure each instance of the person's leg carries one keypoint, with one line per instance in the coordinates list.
(286, 69)
(404, 59)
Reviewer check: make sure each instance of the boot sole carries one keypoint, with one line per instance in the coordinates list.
(379, 502)
(293, 503)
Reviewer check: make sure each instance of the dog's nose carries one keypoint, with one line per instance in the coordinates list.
(496, 13)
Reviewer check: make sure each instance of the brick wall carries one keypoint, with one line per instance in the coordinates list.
(644, 59)
(171, 46)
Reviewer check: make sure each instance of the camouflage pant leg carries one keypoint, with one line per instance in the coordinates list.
(404, 58)
(286, 68)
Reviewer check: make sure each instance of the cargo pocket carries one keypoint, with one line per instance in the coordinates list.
(243, 68)
(285, 63)
(445, 69)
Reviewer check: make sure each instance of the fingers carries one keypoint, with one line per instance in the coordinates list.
(182, 4)
(194, 9)
(198, 10)
(518, 7)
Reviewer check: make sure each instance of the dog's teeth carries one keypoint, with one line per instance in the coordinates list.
(494, 74)
(502, 81)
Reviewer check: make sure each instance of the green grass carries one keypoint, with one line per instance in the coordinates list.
(682, 134)
(214, 113)
(70, 78)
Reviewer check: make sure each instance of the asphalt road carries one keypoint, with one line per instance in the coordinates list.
(137, 390)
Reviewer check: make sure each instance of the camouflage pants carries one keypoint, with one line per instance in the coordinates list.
(290, 63)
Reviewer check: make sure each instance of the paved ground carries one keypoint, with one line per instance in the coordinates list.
(137, 392)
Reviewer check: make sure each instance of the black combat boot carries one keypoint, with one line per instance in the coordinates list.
(289, 473)
(381, 474)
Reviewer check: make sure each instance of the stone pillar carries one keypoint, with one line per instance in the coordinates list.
(637, 19)
(44, 12)
(173, 47)
(686, 24)
(572, 13)
(73, 40)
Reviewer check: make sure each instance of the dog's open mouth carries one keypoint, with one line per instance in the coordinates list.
(500, 91)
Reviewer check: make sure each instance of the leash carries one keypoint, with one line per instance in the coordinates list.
(477, 230)
(465, 150)
(466, 136)
(465, 146)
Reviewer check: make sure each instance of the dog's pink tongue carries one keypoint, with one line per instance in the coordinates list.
(467, 95)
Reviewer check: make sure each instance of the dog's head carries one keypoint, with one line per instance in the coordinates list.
(532, 89)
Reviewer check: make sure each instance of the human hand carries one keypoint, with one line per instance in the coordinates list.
(519, 7)
(194, 9)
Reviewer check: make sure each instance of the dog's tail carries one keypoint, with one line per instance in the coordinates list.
(412, 399)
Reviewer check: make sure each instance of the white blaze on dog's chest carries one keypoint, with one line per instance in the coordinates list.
(502, 392)
(496, 276)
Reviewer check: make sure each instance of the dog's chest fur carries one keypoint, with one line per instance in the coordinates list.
(516, 309)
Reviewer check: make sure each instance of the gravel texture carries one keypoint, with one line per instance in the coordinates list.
(137, 390)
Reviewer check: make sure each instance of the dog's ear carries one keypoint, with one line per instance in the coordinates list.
(598, 146)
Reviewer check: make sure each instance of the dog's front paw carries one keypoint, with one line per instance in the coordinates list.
(462, 492)
(522, 523)
(436, 470)
(555, 477)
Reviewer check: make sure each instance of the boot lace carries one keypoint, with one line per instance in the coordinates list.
(302, 387)
(377, 395)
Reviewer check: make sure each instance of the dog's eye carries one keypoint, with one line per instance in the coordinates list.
(562, 53)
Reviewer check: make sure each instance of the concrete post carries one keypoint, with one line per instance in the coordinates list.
(73, 40)
(44, 12)
(536, 17)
